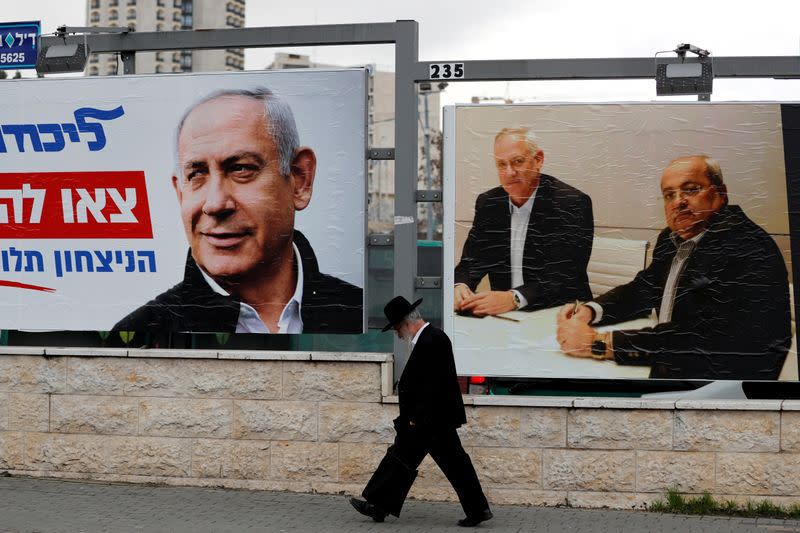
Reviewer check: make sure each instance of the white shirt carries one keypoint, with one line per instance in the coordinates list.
(685, 249)
(419, 332)
(290, 320)
(520, 216)
(674, 272)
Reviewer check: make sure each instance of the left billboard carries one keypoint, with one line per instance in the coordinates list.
(185, 203)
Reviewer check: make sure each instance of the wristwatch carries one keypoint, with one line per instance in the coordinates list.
(600, 345)
(517, 301)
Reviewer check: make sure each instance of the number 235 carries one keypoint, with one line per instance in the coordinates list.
(446, 71)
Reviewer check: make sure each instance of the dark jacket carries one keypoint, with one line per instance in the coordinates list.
(329, 305)
(428, 390)
(730, 318)
(557, 245)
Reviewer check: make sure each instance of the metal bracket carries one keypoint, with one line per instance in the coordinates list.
(428, 282)
(381, 239)
(377, 154)
(128, 62)
(429, 196)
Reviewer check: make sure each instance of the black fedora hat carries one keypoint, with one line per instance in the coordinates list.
(397, 309)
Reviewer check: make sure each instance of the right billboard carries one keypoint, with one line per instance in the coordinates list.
(621, 240)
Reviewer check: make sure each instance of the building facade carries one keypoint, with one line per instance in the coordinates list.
(380, 134)
(167, 15)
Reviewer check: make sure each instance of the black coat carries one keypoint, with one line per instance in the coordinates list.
(557, 245)
(330, 305)
(730, 318)
(428, 390)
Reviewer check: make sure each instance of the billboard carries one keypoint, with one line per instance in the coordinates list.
(620, 240)
(195, 203)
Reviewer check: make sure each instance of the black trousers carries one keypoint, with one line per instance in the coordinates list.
(393, 478)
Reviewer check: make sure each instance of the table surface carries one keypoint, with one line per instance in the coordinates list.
(492, 346)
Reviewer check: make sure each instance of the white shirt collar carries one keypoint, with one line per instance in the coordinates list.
(290, 321)
(419, 332)
(527, 207)
(677, 241)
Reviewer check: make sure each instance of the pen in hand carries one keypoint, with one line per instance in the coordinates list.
(575, 309)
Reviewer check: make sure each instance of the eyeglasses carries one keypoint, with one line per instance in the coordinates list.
(516, 164)
(684, 192)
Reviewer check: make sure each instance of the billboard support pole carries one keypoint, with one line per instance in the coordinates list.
(405, 172)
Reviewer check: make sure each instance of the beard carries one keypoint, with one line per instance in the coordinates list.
(406, 335)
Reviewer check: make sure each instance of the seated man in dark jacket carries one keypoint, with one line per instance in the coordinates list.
(717, 280)
(532, 236)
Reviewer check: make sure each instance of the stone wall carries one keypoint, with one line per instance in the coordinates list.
(321, 422)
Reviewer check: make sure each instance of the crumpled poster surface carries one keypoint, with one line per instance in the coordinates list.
(148, 203)
(618, 188)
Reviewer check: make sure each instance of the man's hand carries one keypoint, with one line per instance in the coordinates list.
(575, 337)
(489, 303)
(583, 314)
(461, 292)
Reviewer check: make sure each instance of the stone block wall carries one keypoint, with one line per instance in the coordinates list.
(321, 422)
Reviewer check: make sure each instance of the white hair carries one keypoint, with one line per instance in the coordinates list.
(279, 118)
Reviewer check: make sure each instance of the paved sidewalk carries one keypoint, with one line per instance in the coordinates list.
(39, 505)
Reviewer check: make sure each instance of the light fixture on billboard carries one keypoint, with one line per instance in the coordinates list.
(72, 56)
(681, 75)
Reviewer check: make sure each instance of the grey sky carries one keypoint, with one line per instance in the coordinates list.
(506, 29)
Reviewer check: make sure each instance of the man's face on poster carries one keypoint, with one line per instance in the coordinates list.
(690, 198)
(236, 206)
(518, 167)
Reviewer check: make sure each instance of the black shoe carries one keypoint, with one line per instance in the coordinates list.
(367, 509)
(472, 521)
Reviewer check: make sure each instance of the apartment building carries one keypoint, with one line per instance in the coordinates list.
(167, 15)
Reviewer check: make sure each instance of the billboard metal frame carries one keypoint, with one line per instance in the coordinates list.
(404, 34)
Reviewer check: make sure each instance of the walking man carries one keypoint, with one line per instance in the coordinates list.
(431, 409)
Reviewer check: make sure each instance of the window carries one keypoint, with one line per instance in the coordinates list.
(131, 2)
(113, 3)
(159, 27)
(94, 17)
(111, 70)
(113, 15)
(131, 14)
(160, 14)
(95, 4)
(176, 16)
(176, 57)
(187, 21)
(159, 56)
(176, 27)
(177, 3)
(160, 3)
(93, 71)
(158, 69)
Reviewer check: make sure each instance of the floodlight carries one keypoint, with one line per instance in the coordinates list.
(69, 57)
(62, 58)
(679, 75)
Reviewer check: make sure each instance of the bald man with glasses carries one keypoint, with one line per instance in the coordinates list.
(717, 281)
